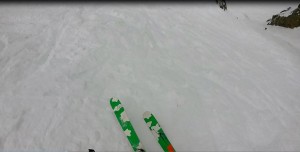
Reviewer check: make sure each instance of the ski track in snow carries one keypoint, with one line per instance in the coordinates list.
(217, 81)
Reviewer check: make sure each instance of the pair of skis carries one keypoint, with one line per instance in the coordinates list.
(128, 129)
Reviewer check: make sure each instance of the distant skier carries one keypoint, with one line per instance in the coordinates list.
(222, 4)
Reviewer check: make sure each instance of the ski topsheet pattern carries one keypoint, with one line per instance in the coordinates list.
(126, 125)
(157, 132)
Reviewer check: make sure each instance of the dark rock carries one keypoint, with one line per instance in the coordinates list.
(286, 10)
(286, 18)
(222, 4)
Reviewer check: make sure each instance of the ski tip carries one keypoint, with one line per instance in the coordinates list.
(114, 99)
(147, 114)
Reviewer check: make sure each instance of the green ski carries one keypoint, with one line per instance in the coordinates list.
(126, 125)
(157, 132)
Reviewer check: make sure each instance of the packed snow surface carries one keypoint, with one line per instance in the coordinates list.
(215, 80)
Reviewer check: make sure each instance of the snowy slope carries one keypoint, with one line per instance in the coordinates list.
(216, 81)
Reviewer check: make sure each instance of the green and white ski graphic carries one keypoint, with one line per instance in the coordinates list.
(157, 132)
(126, 125)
